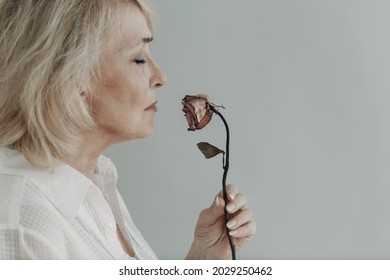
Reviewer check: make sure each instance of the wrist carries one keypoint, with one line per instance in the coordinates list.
(193, 253)
(196, 252)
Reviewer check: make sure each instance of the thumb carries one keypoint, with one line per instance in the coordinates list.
(215, 211)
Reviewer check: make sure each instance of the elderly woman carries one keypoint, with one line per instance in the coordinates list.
(77, 77)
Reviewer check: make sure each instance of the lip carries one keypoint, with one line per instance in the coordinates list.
(152, 107)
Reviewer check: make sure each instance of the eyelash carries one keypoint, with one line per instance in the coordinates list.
(139, 61)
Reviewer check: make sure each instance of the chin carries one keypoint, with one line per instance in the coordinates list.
(145, 135)
(146, 132)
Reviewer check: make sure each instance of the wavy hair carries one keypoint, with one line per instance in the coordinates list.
(49, 53)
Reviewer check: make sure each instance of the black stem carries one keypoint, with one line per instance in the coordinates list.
(225, 172)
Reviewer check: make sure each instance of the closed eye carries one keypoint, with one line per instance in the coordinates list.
(139, 61)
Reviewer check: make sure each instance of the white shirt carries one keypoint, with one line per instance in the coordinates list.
(59, 213)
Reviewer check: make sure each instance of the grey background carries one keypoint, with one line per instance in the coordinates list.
(306, 90)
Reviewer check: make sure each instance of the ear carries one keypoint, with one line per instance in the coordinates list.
(86, 95)
(87, 98)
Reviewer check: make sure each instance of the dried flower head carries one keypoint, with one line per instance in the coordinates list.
(197, 112)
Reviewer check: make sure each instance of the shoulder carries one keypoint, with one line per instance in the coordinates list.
(11, 195)
(30, 226)
(22, 204)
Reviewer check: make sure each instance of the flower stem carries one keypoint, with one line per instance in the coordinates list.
(225, 172)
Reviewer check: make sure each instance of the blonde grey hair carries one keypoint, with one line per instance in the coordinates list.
(49, 53)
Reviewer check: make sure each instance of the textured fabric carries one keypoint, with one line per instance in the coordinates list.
(59, 213)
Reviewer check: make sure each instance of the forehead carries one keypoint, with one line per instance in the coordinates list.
(129, 27)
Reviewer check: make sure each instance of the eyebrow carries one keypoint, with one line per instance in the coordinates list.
(144, 41)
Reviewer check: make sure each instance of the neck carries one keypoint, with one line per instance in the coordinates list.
(94, 146)
(85, 164)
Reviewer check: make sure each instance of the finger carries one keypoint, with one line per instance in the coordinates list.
(243, 217)
(231, 191)
(246, 230)
(211, 214)
(237, 204)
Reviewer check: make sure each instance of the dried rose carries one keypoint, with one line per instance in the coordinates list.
(196, 111)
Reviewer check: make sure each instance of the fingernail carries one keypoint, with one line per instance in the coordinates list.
(232, 233)
(232, 195)
(231, 223)
(230, 207)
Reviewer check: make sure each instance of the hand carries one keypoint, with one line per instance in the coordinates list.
(210, 240)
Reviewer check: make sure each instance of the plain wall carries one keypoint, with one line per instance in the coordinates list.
(306, 88)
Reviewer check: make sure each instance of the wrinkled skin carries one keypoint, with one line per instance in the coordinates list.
(210, 239)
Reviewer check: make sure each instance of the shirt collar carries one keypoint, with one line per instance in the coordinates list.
(63, 185)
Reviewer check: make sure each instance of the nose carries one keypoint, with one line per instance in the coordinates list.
(158, 78)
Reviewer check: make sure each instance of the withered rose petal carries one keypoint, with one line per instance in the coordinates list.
(196, 111)
(190, 117)
(205, 120)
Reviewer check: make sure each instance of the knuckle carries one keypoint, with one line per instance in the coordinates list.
(231, 187)
(253, 227)
(249, 212)
(239, 219)
(244, 199)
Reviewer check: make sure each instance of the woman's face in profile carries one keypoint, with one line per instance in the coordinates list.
(123, 96)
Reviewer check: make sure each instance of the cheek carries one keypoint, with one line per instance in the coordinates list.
(135, 94)
(127, 105)
(119, 95)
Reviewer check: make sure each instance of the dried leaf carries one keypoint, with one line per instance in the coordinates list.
(209, 150)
